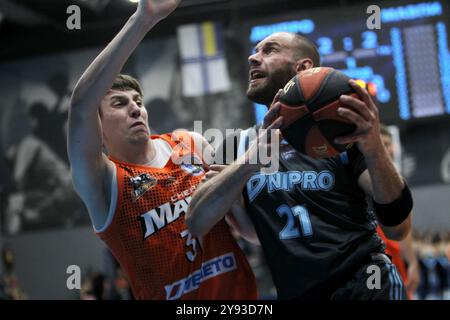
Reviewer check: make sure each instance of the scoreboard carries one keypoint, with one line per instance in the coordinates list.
(405, 63)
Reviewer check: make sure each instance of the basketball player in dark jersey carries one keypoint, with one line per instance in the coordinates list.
(311, 216)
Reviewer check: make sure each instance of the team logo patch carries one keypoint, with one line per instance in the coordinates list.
(289, 154)
(169, 181)
(141, 184)
(194, 168)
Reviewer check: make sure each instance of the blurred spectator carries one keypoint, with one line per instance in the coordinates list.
(435, 265)
(94, 288)
(121, 289)
(9, 285)
(97, 287)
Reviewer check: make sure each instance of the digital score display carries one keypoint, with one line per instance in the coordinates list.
(405, 64)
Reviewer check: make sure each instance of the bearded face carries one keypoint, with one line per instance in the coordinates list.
(271, 67)
(264, 86)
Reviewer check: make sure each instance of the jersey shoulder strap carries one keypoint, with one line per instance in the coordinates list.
(182, 143)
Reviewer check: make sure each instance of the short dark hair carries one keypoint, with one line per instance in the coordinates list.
(125, 82)
(305, 48)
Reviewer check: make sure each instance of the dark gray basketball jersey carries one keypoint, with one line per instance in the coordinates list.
(311, 218)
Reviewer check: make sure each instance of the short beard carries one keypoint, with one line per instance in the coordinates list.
(265, 93)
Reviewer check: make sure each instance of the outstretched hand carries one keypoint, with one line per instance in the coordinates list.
(157, 9)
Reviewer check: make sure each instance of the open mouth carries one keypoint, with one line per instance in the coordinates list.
(137, 124)
(256, 75)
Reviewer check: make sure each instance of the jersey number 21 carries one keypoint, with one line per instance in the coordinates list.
(292, 230)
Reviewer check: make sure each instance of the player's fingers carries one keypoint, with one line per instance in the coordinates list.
(363, 94)
(205, 166)
(271, 115)
(357, 106)
(354, 117)
(277, 97)
(275, 124)
(351, 138)
(210, 174)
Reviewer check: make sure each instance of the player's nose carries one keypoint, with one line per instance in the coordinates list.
(135, 110)
(254, 59)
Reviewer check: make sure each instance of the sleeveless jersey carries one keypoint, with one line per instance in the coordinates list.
(311, 218)
(148, 236)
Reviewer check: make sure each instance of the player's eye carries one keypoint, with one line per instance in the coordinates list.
(269, 50)
(120, 102)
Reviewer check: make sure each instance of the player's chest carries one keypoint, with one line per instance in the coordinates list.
(154, 187)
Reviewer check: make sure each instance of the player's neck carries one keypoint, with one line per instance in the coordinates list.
(136, 153)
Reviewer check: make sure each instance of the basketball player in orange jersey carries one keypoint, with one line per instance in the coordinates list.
(137, 195)
(399, 251)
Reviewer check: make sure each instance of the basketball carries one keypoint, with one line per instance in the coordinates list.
(309, 104)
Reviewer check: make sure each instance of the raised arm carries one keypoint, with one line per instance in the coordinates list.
(381, 180)
(91, 170)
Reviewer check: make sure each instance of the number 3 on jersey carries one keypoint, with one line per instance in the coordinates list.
(190, 242)
(291, 230)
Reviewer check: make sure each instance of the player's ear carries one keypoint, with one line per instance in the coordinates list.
(304, 64)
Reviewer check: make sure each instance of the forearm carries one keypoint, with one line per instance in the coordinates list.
(101, 73)
(214, 198)
(387, 184)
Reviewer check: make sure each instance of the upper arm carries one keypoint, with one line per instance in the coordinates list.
(91, 170)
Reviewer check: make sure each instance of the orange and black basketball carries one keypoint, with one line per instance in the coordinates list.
(309, 104)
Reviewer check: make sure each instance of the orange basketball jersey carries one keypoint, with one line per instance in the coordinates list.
(149, 238)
